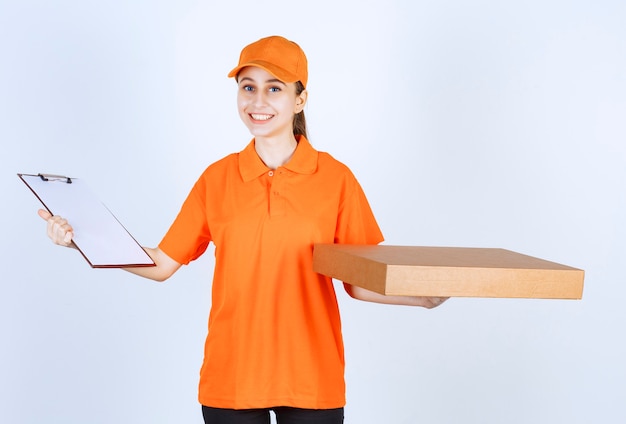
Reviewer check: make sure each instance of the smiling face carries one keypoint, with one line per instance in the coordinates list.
(267, 105)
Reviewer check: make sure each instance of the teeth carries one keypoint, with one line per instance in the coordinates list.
(260, 117)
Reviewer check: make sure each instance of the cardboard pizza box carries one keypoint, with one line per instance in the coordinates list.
(447, 271)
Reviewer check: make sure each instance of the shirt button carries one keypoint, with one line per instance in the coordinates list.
(271, 173)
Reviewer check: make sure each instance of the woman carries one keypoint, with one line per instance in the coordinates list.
(274, 339)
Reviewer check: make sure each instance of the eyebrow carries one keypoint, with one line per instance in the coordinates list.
(269, 81)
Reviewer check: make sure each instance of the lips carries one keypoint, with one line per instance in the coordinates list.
(260, 116)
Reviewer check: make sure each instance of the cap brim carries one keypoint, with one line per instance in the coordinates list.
(278, 72)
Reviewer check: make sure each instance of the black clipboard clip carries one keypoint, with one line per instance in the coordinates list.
(51, 177)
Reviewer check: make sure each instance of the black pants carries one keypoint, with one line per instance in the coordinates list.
(284, 415)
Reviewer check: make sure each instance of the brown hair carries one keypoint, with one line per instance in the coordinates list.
(299, 122)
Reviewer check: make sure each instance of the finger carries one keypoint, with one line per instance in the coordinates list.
(50, 227)
(54, 222)
(436, 301)
(68, 237)
(44, 214)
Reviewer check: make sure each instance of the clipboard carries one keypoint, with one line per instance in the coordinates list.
(98, 235)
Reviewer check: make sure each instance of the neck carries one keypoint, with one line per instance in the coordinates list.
(275, 152)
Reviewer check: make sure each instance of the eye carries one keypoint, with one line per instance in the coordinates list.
(247, 88)
(274, 89)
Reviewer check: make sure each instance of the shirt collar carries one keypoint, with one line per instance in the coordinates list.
(303, 161)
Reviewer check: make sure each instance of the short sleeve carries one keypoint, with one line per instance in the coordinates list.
(356, 223)
(189, 235)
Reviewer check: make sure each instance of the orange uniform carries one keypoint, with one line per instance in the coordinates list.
(274, 336)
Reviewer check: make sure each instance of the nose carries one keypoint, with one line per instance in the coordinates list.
(259, 98)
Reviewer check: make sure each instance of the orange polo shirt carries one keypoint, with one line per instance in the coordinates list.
(274, 336)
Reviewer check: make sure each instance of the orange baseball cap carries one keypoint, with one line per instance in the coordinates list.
(280, 57)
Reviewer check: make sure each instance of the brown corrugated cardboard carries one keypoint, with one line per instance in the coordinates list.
(447, 271)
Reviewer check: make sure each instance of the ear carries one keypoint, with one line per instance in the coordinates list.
(301, 101)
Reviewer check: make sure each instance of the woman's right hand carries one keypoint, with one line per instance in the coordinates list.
(58, 229)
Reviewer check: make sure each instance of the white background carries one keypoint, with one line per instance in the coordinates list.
(479, 124)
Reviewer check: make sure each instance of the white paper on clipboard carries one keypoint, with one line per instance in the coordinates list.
(98, 235)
